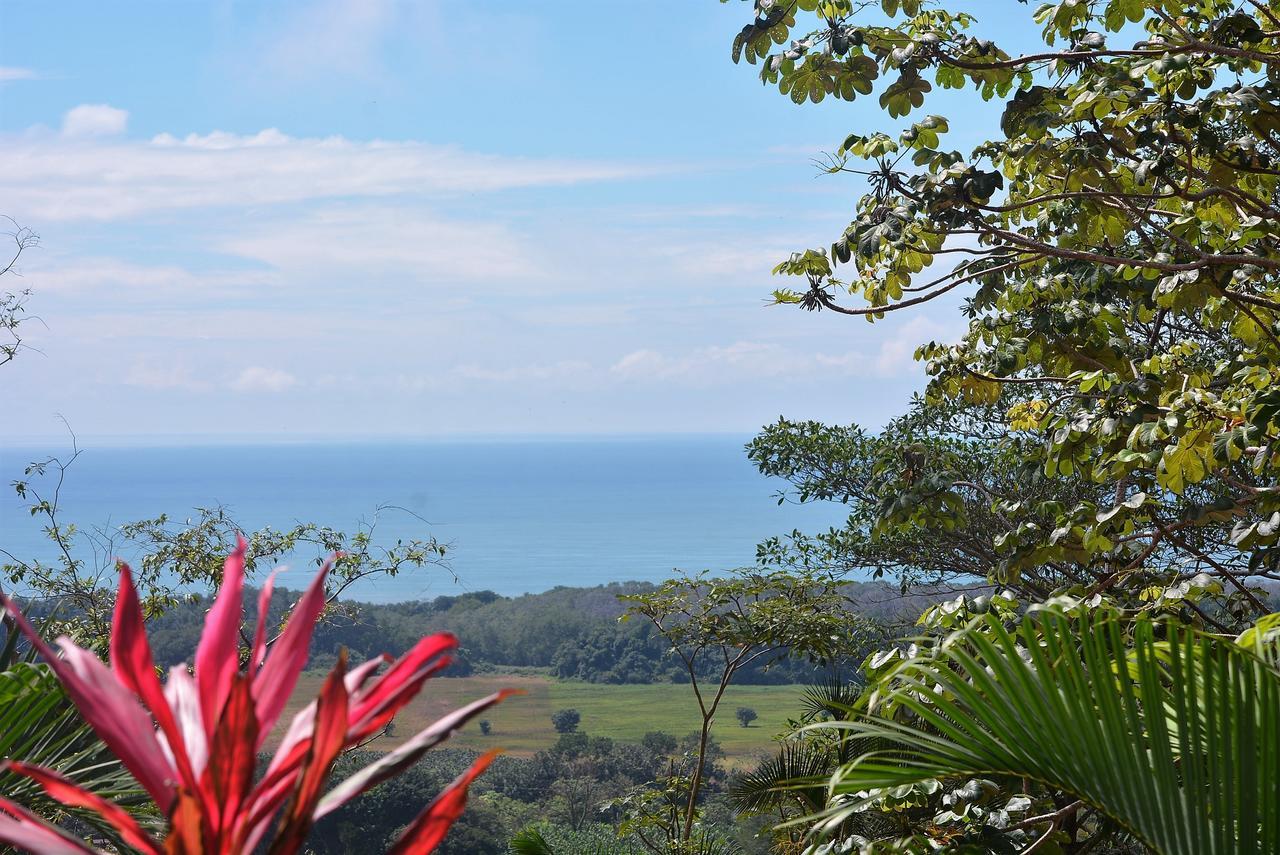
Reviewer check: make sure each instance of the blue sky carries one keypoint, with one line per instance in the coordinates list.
(370, 218)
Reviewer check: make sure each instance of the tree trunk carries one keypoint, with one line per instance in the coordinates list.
(696, 783)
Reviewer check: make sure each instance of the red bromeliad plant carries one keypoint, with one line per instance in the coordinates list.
(192, 742)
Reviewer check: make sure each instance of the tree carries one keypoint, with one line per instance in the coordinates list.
(659, 743)
(746, 715)
(1117, 253)
(486, 726)
(1119, 262)
(716, 627)
(941, 533)
(566, 721)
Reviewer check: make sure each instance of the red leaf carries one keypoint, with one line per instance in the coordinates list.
(70, 794)
(216, 656)
(185, 828)
(228, 776)
(110, 709)
(274, 682)
(19, 827)
(400, 684)
(135, 667)
(259, 649)
(426, 832)
(407, 753)
(327, 741)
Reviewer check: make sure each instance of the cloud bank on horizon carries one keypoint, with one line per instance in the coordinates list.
(307, 222)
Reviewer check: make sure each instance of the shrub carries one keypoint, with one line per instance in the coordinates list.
(566, 721)
(193, 744)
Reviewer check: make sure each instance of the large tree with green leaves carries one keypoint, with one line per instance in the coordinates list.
(920, 494)
(1115, 242)
(1106, 428)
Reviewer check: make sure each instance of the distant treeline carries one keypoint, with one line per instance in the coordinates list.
(574, 633)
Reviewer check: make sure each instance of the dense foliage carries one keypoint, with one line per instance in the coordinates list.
(574, 633)
(575, 794)
(1118, 248)
(1104, 436)
(1138, 720)
(947, 532)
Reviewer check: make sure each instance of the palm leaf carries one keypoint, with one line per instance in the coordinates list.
(1175, 740)
(833, 698)
(40, 725)
(796, 775)
(529, 842)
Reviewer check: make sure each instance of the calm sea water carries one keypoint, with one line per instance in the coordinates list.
(522, 516)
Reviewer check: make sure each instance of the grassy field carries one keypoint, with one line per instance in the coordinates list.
(522, 725)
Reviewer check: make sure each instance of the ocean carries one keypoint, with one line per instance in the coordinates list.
(520, 515)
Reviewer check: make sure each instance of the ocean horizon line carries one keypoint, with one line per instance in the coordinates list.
(84, 441)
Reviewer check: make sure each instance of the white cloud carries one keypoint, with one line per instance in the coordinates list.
(409, 244)
(259, 379)
(642, 363)
(52, 274)
(744, 360)
(897, 351)
(9, 73)
(94, 120)
(738, 361)
(523, 376)
(721, 260)
(576, 315)
(80, 177)
(223, 332)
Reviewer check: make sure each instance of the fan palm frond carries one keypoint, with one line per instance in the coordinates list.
(796, 775)
(1172, 734)
(40, 725)
(833, 698)
(529, 842)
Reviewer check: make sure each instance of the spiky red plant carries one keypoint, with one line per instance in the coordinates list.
(192, 742)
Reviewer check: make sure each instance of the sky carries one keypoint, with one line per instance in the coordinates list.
(367, 218)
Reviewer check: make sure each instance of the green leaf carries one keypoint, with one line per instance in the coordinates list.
(1172, 734)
